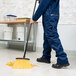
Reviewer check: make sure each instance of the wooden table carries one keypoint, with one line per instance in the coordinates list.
(22, 22)
(16, 22)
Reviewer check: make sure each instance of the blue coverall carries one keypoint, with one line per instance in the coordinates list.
(49, 9)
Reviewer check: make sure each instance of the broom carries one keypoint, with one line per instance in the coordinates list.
(24, 63)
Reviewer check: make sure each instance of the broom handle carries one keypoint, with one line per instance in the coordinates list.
(29, 30)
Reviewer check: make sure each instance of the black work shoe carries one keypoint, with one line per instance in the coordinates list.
(43, 60)
(59, 66)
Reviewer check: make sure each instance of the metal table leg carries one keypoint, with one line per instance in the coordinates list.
(24, 35)
(34, 36)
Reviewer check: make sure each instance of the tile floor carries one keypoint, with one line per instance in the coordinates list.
(7, 55)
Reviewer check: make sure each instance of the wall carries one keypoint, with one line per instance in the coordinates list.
(23, 8)
(67, 24)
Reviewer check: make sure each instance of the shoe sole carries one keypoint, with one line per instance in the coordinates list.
(43, 62)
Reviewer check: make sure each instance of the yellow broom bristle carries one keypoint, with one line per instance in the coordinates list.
(10, 64)
(21, 64)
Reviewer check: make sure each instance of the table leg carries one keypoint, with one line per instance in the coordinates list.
(24, 35)
(34, 36)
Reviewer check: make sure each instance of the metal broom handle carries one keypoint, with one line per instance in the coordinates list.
(29, 30)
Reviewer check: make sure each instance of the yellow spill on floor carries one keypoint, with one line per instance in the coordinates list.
(21, 64)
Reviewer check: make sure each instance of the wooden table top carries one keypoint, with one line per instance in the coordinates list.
(12, 22)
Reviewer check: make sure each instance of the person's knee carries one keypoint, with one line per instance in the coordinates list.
(51, 32)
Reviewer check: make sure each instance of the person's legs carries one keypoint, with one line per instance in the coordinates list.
(46, 49)
(46, 52)
(54, 41)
